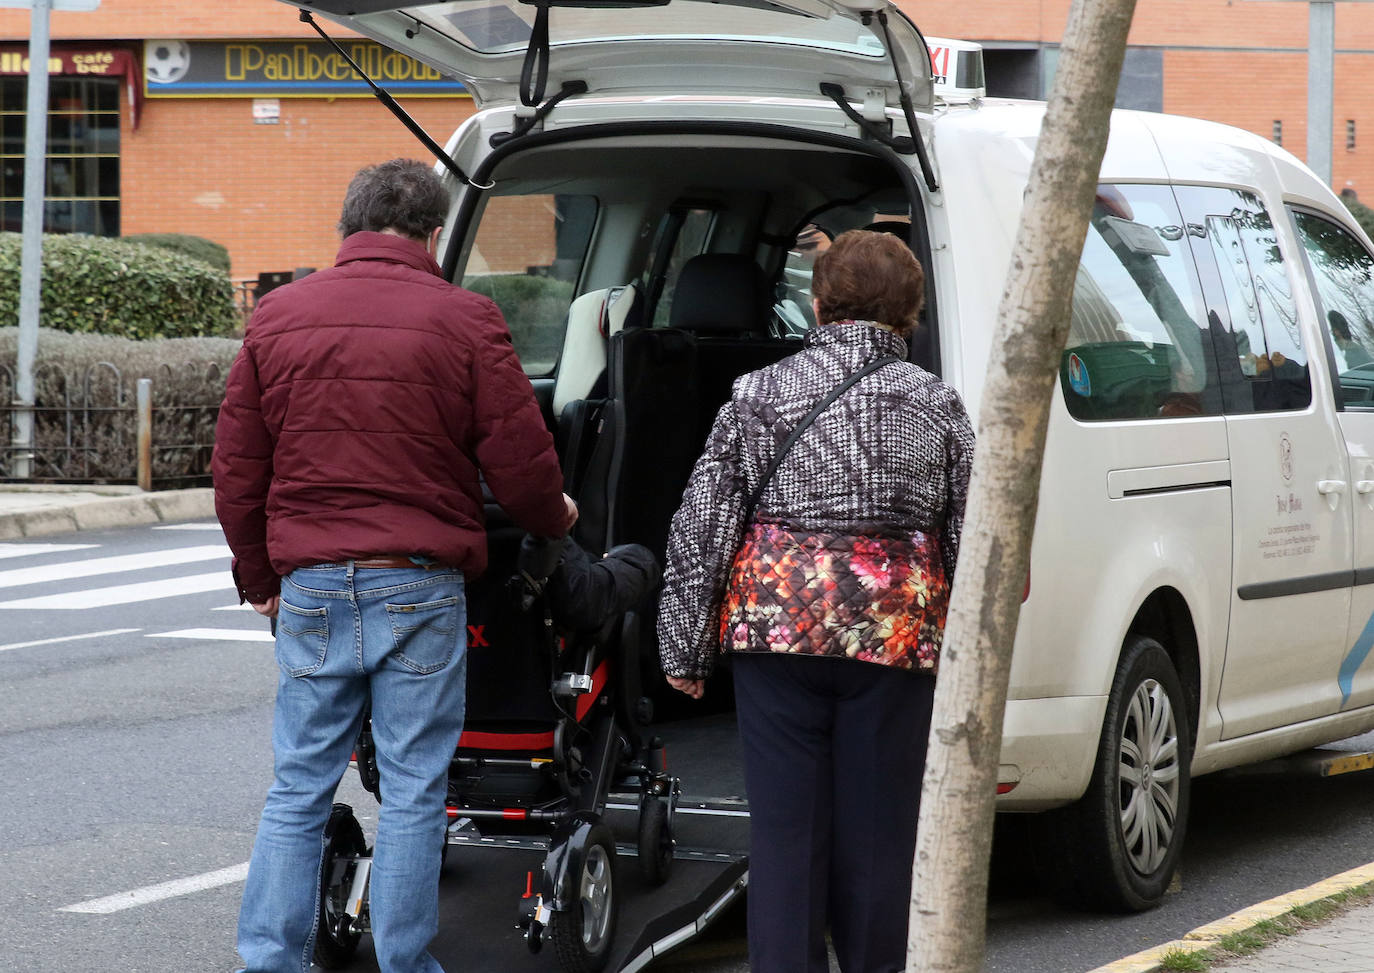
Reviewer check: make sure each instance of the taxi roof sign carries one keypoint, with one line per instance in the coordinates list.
(957, 68)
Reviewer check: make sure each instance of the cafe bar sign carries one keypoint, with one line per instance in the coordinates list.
(283, 69)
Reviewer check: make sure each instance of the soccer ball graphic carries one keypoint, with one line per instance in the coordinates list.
(167, 61)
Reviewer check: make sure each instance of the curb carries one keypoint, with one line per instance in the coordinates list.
(130, 511)
(1205, 937)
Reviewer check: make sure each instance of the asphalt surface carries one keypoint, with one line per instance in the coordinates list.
(134, 747)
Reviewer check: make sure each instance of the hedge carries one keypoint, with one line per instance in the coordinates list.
(104, 286)
(1362, 213)
(86, 389)
(195, 247)
(535, 309)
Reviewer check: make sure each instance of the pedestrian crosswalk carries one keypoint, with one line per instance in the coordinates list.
(120, 564)
(82, 591)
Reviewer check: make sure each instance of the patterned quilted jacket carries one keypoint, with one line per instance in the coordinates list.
(853, 546)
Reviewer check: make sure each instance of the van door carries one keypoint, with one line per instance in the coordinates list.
(1342, 274)
(1292, 561)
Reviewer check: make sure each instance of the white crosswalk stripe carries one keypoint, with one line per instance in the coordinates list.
(216, 635)
(67, 638)
(112, 565)
(33, 550)
(125, 594)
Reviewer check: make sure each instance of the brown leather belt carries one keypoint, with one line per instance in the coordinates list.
(393, 561)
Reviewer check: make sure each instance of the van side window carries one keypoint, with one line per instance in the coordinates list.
(1343, 271)
(1138, 346)
(527, 258)
(792, 309)
(1250, 300)
(682, 234)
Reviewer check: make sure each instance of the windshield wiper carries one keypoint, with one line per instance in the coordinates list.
(385, 98)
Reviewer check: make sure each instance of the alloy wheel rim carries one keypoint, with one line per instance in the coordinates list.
(596, 898)
(1149, 775)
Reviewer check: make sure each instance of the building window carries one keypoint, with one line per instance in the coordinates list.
(1278, 132)
(1350, 135)
(81, 191)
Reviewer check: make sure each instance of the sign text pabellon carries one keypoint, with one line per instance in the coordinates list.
(239, 69)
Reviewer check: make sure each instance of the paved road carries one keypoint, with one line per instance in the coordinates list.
(135, 704)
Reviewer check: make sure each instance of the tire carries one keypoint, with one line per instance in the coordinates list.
(1116, 848)
(582, 934)
(336, 943)
(655, 841)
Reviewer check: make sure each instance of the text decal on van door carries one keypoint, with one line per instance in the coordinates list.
(1078, 376)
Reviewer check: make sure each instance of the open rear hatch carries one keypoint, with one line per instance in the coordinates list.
(748, 48)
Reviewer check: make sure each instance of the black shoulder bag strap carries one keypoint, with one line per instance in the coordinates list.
(806, 421)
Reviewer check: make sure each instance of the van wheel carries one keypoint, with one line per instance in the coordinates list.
(1117, 847)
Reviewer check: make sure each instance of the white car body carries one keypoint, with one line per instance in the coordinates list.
(1244, 543)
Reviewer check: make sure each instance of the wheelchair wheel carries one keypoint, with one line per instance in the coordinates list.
(655, 841)
(336, 940)
(582, 933)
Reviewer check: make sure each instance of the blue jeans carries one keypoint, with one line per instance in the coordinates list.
(399, 637)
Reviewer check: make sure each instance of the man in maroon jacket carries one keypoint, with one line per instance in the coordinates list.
(365, 401)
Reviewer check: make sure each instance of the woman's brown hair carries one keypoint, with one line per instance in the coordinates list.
(867, 276)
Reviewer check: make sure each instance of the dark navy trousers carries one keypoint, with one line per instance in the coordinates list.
(834, 751)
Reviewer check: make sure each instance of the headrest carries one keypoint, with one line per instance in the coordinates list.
(719, 293)
(898, 228)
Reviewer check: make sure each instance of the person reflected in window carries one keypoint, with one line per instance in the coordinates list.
(1353, 353)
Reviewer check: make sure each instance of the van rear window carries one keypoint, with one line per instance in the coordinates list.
(1138, 344)
(527, 257)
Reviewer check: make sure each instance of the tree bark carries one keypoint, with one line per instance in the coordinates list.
(949, 892)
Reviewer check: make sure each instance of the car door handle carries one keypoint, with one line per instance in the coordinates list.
(1364, 486)
(1332, 490)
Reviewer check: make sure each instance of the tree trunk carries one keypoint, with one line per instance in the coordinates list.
(949, 892)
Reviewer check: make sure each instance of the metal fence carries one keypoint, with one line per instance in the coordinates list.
(88, 427)
(246, 297)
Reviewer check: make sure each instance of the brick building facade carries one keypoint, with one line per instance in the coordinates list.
(269, 188)
(257, 158)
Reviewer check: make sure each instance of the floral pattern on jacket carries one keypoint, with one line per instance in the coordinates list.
(887, 461)
(875, 599)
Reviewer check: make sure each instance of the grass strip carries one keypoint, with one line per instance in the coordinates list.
(1266, 932)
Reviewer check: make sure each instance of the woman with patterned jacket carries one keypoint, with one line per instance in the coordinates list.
(831, 602)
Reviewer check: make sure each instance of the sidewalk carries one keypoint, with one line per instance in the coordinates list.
(1342, 943)
(41, 510)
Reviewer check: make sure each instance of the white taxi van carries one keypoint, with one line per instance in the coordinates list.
(642, 190)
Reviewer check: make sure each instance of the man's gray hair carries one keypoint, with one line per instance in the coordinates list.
(402, 195)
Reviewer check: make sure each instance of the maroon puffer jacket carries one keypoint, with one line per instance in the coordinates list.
(358, 413)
